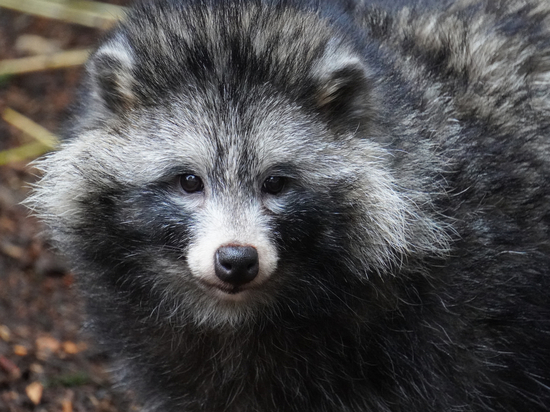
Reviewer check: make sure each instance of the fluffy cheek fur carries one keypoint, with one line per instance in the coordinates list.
(306, 243)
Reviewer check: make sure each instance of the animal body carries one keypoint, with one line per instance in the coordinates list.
(329, 206)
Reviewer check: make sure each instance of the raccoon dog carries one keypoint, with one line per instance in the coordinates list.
(286, 205)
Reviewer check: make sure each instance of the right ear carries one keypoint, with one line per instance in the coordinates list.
(343, 89)
(111, 73)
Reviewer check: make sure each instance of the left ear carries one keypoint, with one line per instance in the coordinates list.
(343, 92)
(111, 74)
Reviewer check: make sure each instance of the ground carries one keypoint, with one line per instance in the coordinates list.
(47, 362)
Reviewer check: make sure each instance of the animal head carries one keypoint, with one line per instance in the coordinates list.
(215, 168)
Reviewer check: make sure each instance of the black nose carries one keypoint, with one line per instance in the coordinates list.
(236, 264)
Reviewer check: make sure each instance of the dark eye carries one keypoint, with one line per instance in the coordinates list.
(191, 183)
(273, 184)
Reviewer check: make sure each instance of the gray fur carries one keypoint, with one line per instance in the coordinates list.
(405, 264)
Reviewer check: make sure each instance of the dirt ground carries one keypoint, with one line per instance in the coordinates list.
(47, 363)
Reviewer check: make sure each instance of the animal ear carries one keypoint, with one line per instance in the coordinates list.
(111, 72)
(343, 91)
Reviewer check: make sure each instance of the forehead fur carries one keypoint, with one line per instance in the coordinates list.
(189, 89)
(186, 45)
(163, 141)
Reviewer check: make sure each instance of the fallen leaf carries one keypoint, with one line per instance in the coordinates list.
(10, 367)
(5, 333)
(45, 346)
(70, 348)
(36, 368)
(67, 402)
(67, 405)
(12, 251)
(7, 225)
(34, 392)
(20, 350)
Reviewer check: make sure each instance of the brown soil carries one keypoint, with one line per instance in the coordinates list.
(46, 362)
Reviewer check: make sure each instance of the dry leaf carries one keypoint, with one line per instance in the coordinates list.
(12, 251)
(5, 333)
(45, 346)
(70, 348)
(67, 402)
(10, 367)
(36, 368)
(20, 350)
(7, 225)
(34, 392)
(67, 405)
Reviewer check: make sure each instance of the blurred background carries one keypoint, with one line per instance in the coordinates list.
(47, 363)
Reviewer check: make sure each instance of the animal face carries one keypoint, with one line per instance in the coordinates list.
(211, 189)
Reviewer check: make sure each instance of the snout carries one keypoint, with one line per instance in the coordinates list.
(232, 259)
(236, 265)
